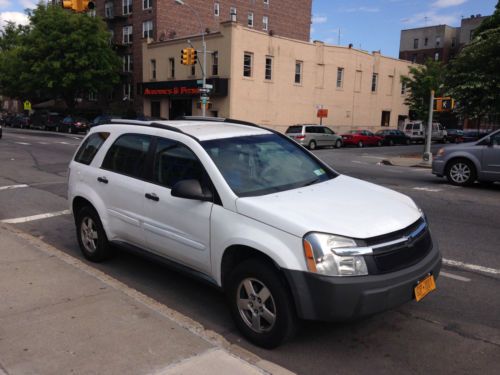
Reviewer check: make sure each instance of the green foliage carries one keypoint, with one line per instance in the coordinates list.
(60, 55)
(473, 78)
(420, 82)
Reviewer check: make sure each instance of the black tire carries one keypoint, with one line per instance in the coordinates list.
(461, 172)
(360, 144)
(102, 250)
(408, 141)
(391, 142)
(312, 145)
(338, 143)
(258, 272)
(70, 130)
(379, 143)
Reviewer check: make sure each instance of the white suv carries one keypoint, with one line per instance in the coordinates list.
(248, 209)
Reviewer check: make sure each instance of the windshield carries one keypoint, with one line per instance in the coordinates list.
(263, 164)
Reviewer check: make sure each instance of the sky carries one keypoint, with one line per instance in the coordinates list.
(371, 25)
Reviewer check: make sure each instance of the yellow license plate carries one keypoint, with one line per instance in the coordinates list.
(424, 287)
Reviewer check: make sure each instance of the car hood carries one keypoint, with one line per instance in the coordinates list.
(344, 206)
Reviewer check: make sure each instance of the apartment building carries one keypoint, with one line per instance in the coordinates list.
(439, 43)
(276, 81)
(133, 22)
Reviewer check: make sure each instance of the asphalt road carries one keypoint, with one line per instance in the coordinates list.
(456, 329)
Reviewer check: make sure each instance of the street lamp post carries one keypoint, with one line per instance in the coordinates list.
(204, 97)
(427, 158)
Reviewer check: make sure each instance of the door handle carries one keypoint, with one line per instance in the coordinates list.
(152, 196)
(104, 180)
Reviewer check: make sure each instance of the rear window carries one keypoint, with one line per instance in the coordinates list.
(408, 126)
(89, 148)
(416, 126)
(294, 129)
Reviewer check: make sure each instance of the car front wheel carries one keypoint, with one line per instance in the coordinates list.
(338, 144)
(91, 235)
(261, 304)
(312, 145)
(360, 144)
(461, 172)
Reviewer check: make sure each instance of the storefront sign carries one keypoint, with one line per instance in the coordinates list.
(173, 91)
(184, 88)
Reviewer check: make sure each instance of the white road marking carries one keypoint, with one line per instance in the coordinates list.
(454, 277)
(470, 267)
(10, 187)
(431, 190)
(34, 217)
(23, 143)
(64, 143)
(358, 162)
(43, 143)
(76, 138)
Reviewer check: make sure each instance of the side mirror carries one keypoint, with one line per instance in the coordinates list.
(191, 189)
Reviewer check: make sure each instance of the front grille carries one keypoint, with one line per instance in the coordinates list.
(393, 257)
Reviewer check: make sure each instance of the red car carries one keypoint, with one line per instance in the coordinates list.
(361, 138)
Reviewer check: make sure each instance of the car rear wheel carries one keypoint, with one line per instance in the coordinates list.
(360, 144)
(407, 142)
(312, 145)
(338, 143)
(379, 143)
(391, 142)
(91, 235)
(461, 172)
(261, 304)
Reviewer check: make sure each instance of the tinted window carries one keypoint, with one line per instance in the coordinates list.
(319, 130)
(328, 131)
(294, 129)
(416, 126)
(128, 155)
(263, 164)
(89, 148)
(408, 126)
(311, 129)
(175, 162)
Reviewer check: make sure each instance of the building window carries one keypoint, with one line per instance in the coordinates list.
(247, 64)
(403, 88)
(250, 19)
(171, 65)
(147, 4)
(426, 42)
(471, 36)
(438, 41)
(374, 82)
(386, 118)
(153, 69)
(265, 23)
(127, 6)
(216, 9)
(108, 10)
(193, 70)
(127, 91)
(298, 72)
(340, 77)
(215, 63)
(269, 68)
(128, 63)
(147, 29)
(232, 14)
(436, 56)
(127, 34)
(453, 42)
(415, 43)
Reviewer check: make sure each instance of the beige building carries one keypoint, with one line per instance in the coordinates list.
(276, 81)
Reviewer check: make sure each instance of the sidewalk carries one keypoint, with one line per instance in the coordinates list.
(61, 316)
(401, 161)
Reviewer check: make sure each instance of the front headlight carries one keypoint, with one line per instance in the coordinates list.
(440, 153)
(331, 255)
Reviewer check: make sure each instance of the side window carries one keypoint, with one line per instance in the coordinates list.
(310, 129)
(319, 130)
(328, 131)
(175, 162)
(89, 148)
(128, 155)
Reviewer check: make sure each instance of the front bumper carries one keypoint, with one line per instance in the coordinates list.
(327, 298)
(438, 166)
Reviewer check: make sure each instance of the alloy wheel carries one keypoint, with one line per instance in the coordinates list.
(256, 305)
(88, 232)
(460, 173)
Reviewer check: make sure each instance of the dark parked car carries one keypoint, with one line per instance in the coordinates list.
(103, 119)
(21, 121)
(73, 124)
(455, 135)
(393, 137)
(46, 120)
(474, 135)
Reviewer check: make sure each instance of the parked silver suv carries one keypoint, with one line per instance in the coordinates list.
(314, 136)
(465, 163)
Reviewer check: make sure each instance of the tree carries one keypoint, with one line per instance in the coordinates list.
(60, 55)
(421, 80)
(473, 78)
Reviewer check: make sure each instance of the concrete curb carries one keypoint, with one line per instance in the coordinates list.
(391, 162)
(185, 322)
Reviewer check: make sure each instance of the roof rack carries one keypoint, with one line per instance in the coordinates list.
(151, 124)
(217, 119)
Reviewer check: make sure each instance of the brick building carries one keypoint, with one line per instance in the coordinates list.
(440, 43)
(133, 21)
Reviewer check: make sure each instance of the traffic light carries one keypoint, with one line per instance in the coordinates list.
(444, 104)
(78, 6)
(189, 56)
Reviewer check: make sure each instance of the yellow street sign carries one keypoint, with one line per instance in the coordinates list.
(27, 105)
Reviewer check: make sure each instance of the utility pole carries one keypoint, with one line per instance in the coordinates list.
(427, 158)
